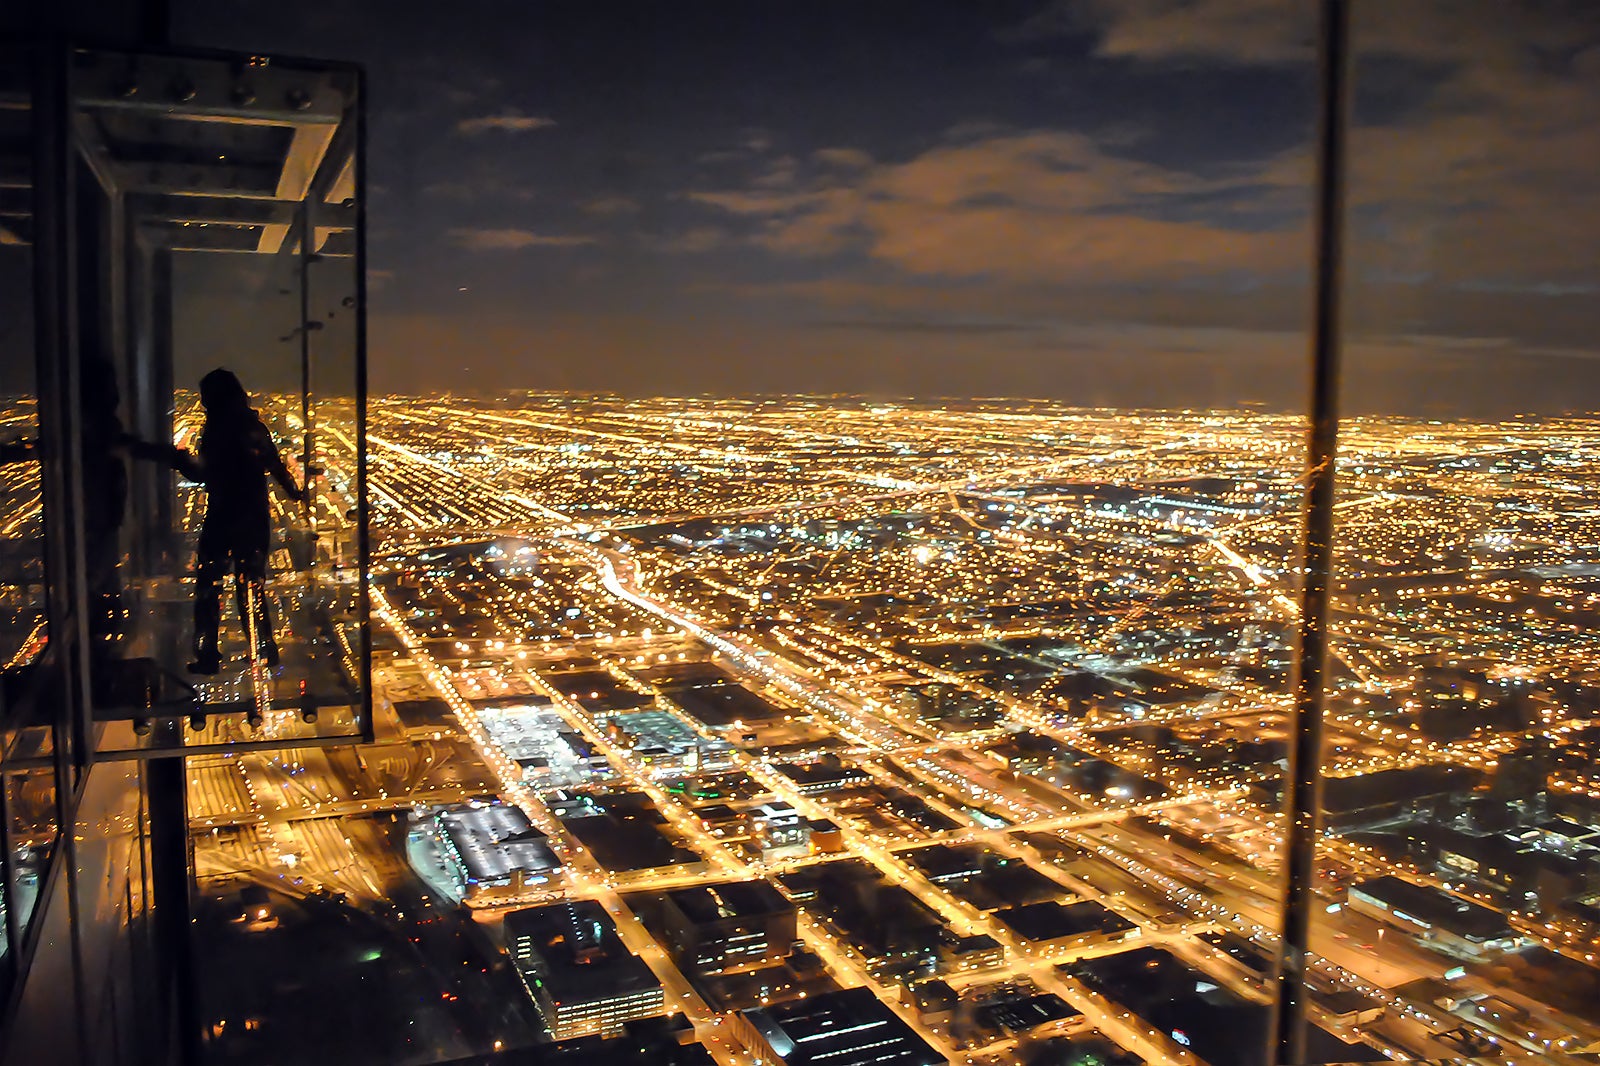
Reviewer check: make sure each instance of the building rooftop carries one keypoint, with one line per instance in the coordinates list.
(1052, 921)
(704, 904)
(624, 831)
(1431, 907)
(492, 840)
(847, 1028)
(577, 953)
(968, 945)
(425, 714)
(943, 862)
(1343, 795)
(722, 704)
(1018, 1014)
(596, 689)
(645, 1042)
(820, 775)
(1215, 1023)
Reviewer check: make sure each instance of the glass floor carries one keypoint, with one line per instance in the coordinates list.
(152, 703)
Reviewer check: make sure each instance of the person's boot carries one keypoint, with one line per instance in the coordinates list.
(207, 620)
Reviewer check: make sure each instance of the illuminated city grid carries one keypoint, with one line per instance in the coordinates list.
(1022, 672)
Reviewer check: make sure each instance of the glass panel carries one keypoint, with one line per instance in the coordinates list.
(1460, 865)
(111, 911)
(26, 749)
(329, 267)
(48, 1021)
(32, 829)
(988, 692)
(21, 519)
(220, 188)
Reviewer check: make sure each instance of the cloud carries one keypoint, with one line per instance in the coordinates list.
(480, 188)
(1475, 178)
(1026, 207)
(751, 142)
(782, 174)
(609, 206)
(1499, 38)
(694, 241)
(1240, 31)
(844, 158)
(739, 202)
(509, 121)
(1479, 176)
(1486, 181)
(842, 297)
(507, 240)
(931, 326)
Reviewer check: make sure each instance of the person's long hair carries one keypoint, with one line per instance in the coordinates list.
(229, 416)
(221, 394)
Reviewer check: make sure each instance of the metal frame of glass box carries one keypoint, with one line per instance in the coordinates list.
(129, 192)
(108, 185)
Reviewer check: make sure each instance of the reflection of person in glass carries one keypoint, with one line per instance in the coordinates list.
(234, 457)
(104, 489)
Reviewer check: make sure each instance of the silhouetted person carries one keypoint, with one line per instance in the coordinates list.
(234, 456)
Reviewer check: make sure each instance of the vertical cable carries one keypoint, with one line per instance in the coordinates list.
(1303, 794)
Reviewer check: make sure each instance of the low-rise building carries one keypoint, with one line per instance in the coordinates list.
(845, 1028)
(1437, 918)
(579, 974)
(732, 926)
(778, 829)
(826, 837)
(492, 848)
(935, 1001)
(1348, 1007)
(971, 954)
(1048, 926)
(828, 774)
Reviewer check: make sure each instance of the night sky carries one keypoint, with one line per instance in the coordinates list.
(1102, 202)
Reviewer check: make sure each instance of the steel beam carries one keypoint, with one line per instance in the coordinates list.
(208, 89)
(305, 155)
(230, 211)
